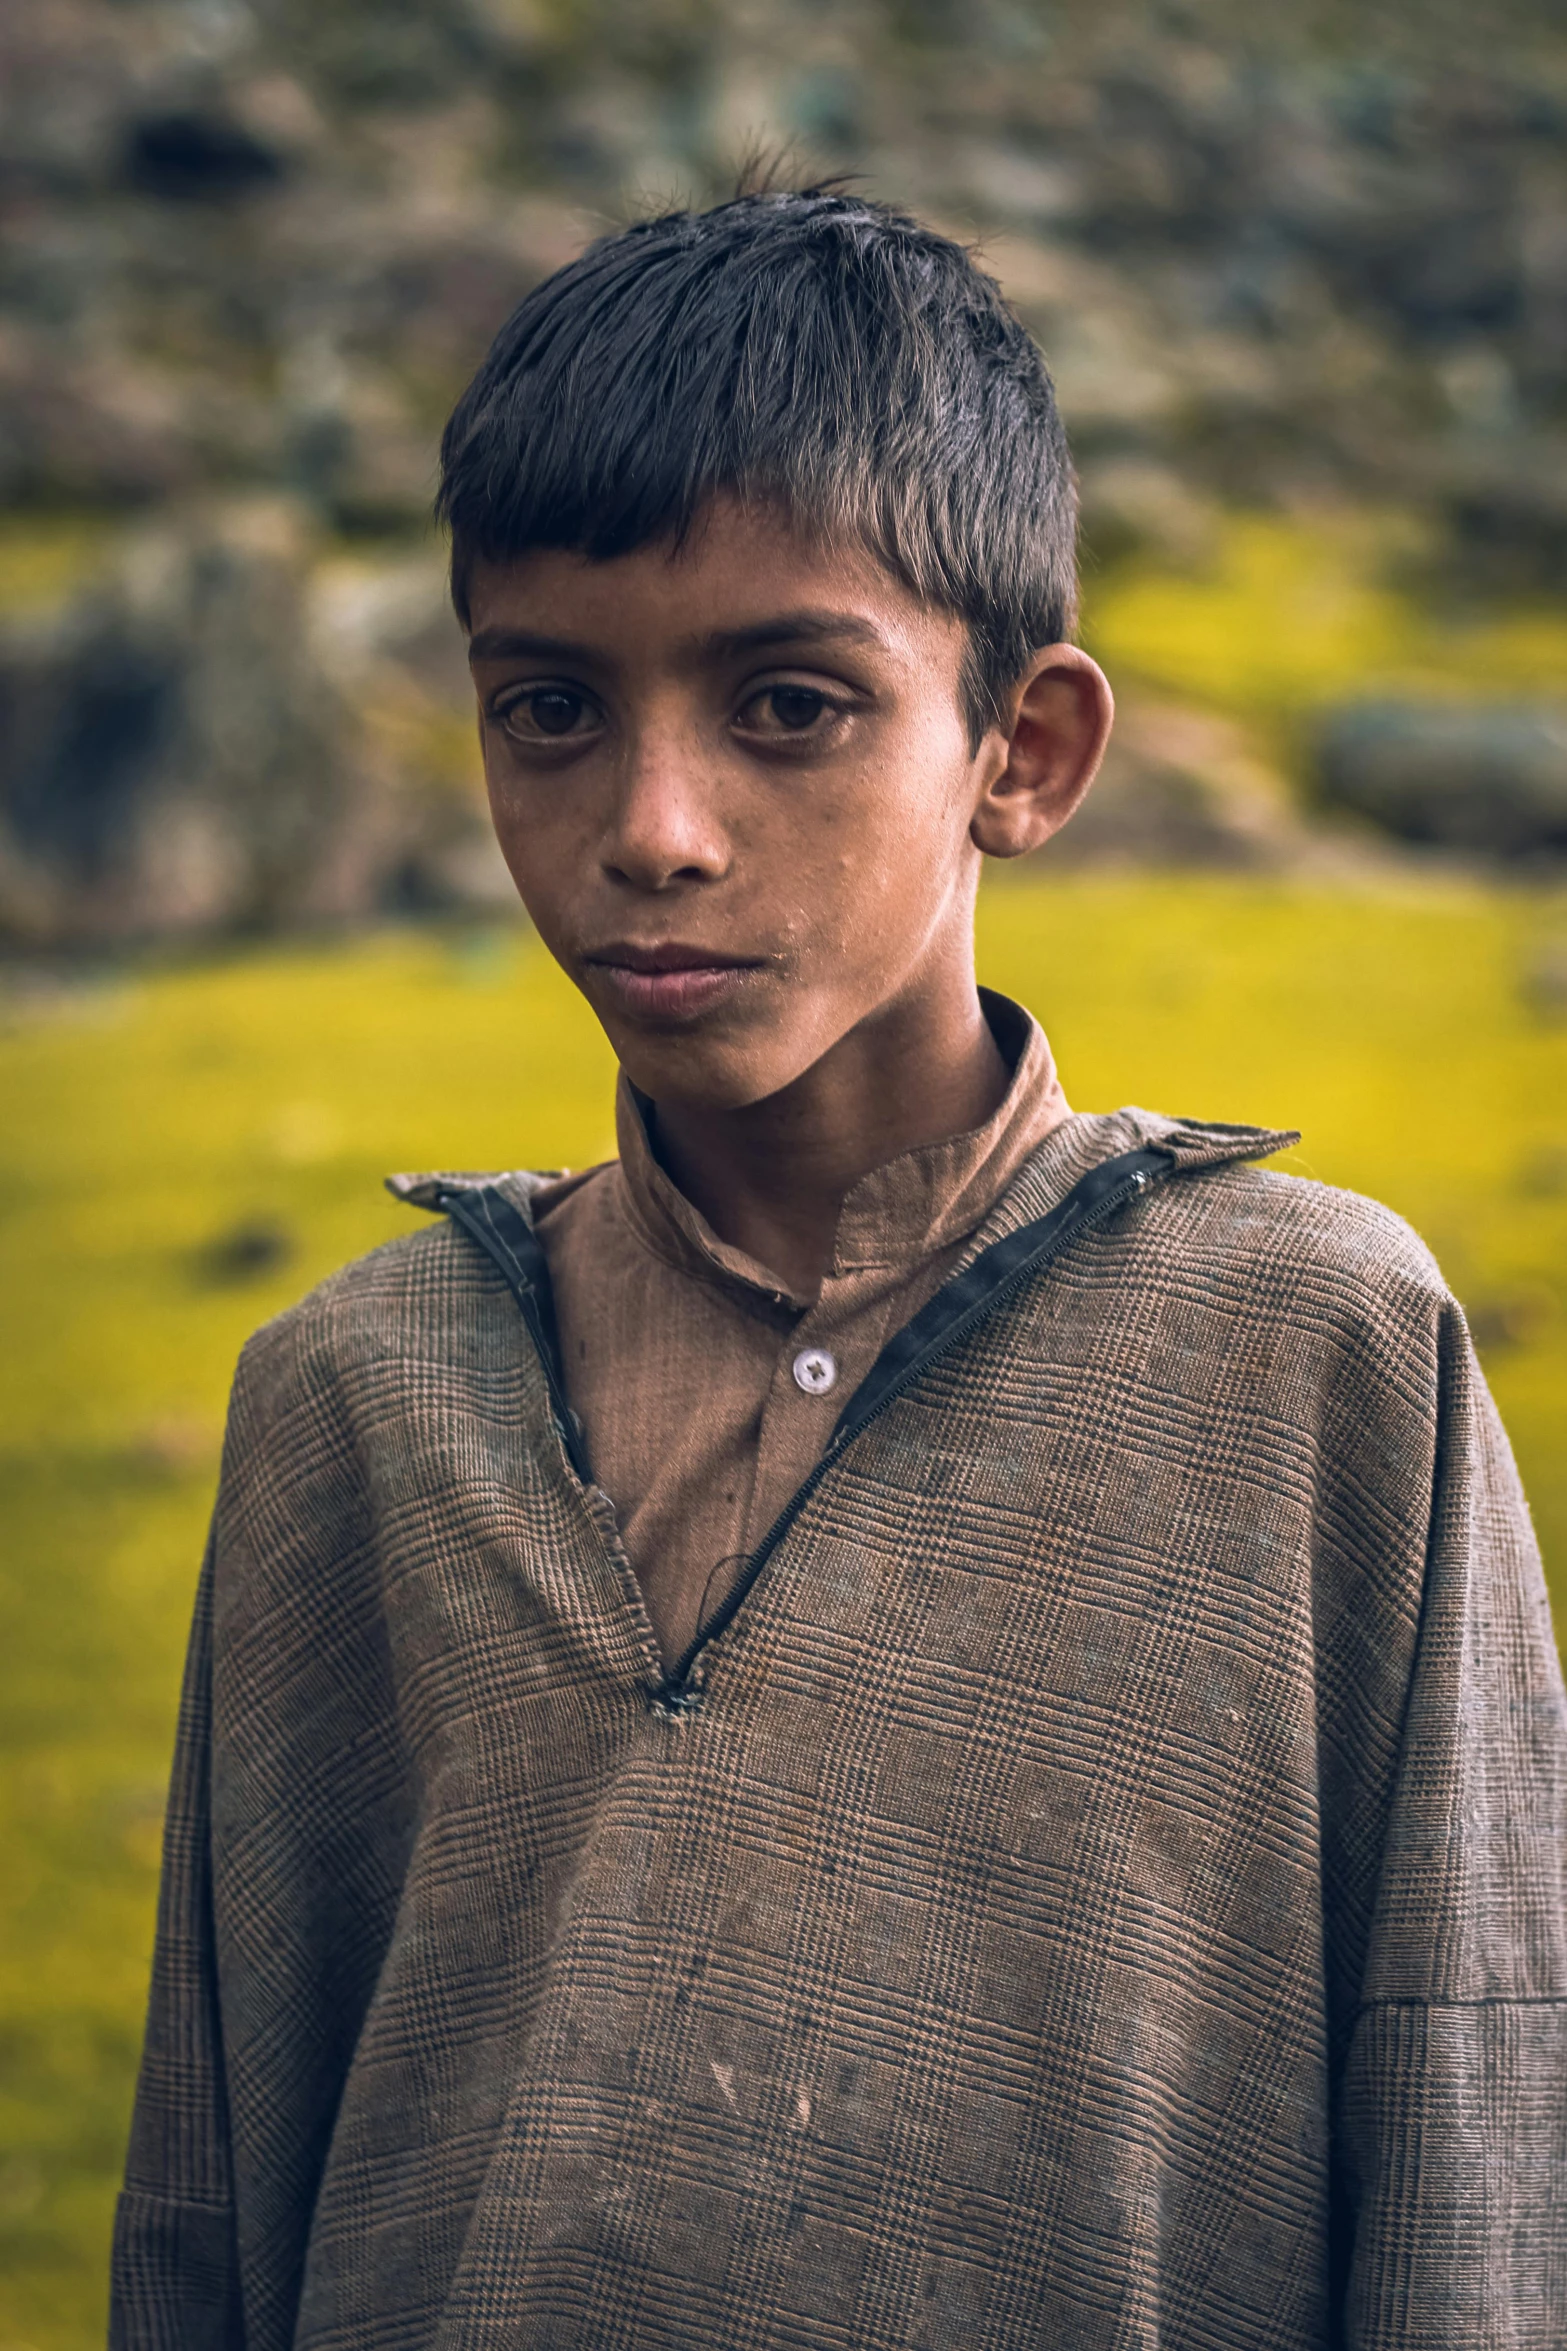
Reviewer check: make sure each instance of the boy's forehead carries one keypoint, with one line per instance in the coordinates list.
(743, 573)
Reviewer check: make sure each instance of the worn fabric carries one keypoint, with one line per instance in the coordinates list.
(678, 1350)
(1110, 1892)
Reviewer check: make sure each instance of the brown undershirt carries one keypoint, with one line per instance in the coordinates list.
(706, 1389)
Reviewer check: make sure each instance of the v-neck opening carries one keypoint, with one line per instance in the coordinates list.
(972, 1291)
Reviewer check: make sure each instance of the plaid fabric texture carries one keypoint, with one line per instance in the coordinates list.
(1110, 1892)
(678, 1350)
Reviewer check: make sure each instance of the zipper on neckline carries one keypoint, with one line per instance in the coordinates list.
(510, 1242)
(966, 1299)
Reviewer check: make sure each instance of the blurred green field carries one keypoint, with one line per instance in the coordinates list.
(186, 1149)
(1286, 613)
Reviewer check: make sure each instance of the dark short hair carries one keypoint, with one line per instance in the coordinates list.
(808, 348)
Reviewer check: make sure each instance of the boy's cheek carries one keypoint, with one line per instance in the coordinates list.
(527, 821)
(534, 861)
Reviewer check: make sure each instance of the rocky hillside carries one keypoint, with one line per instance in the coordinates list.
(250, 254)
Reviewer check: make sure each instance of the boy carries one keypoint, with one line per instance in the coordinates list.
(905, 1718)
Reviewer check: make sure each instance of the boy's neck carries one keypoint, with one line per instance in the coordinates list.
(771, 1178)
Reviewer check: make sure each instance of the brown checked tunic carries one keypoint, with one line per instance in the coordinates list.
(1098, 1881)
(706, 1391)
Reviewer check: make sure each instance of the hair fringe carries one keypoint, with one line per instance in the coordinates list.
(803, 347)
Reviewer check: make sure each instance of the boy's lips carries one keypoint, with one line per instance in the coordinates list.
(671, 979)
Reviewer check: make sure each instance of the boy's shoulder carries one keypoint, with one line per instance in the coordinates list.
(424, 1291)
(1229, 1218)
(1283, 1240)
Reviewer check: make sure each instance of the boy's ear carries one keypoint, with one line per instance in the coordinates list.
(1062, 712)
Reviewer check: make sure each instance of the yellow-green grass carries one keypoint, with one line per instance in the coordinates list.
(47, 561)
(1414, 1035)
(1291, 613)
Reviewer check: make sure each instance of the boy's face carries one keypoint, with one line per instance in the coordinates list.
(734, 787)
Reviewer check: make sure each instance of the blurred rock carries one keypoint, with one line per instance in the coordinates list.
(171, 751)
(1505, 507)
(267, 245)
(195, 157)
(188, 750)
(1130, 506)
(1181, 787)
(1544, 990)
(243, 1252)
(250, 252)
(1486, 778)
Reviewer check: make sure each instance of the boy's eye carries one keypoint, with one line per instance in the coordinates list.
(543, 711)
(791, 710)
(795, 706)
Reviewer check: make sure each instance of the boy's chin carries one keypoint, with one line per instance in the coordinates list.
(711, 1072)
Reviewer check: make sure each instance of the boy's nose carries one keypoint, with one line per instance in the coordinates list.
(664, 827)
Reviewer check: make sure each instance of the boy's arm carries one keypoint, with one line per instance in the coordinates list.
(175, 2274)
(290, 1821)
(1453, 2097)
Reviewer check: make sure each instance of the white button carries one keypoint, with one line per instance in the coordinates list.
(814, 1371)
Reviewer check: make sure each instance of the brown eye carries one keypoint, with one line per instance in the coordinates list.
(795, 707)
(553, 710)
(544, 714)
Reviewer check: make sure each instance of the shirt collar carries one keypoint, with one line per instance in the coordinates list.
(925, 1200)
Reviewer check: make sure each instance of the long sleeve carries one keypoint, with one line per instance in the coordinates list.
(175, 2272)
(1453, 2097)
(290, 1820)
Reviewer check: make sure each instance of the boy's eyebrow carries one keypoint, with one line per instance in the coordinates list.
(806, 627)
(523, 644)
(810, 627)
